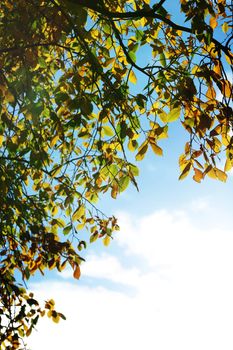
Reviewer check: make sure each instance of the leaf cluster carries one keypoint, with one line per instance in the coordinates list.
(73, 118)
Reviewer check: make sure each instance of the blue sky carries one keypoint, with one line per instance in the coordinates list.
(166, 280)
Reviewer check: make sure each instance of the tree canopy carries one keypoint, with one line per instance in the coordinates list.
(83, 84)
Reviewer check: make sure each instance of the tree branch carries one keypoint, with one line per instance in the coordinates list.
(147, 13)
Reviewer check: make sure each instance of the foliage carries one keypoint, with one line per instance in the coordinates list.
(71, 112)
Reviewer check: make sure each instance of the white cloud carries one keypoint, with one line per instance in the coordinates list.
(106, 266)
(200, 204)
(184, 286)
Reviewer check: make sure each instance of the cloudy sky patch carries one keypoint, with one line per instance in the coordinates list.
(182, 281)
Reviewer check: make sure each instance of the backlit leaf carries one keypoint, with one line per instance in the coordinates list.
(213, 22)
(198, 176)
(173, 115)
(132, 77)
(225, 27)
(156, 149)
(77, 272)
(79, 212)
(142, 151)
(106, 240)
(185, 172)
(221, 175)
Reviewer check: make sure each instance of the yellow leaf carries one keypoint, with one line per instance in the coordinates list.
(56, 319)
(228, 165)
(80, 226)
(77, 272)
(115, 190)
(55, 210)
(226, 88)
(109, 61)
(1, 140)
(217, 68)
(163, 116)
(132, 145)
(142, 151)
(225, 27)
(228, 59)
(132, 77)
(78, 213)
(106, 240)
(173, 114)
(221, 175)
(198, 176)
(211, 94)
(107, 130)
(213, 22)
(54, 141)
(185, 171)
(157, 150)
(211, 173)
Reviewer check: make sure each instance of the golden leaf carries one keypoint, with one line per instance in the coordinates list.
(157, 150)
(106, 240)
(211, 94)
(77, 272)
(225, 27)
(173, 115)
(78, 213)
(221, 175)
(132, 77)
(1, 140)
(227, 88)
(198, 176)
(213, 22)
(228, 165)
(185, 171)
(142, 151)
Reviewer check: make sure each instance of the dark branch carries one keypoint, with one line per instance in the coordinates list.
(147, 13)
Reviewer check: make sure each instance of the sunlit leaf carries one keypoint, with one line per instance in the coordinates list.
(142, 151)
(198, 176)
(77, 272)
(173, 115)
(221, 175)
(106, 240)
(132, 77)
(156, 149)
(185, 172)
(79, 212)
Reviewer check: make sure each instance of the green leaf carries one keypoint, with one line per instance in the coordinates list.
(67, 230)
(162, 59)
(107, 130)
(133, 56)
(94, 237)
(134, 170)
(124, 183)
(174, 114)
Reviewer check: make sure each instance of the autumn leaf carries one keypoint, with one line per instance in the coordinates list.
(79, 212)
(77, 272)
(132, 77)
(173, 115)
(142, 151)
(106, 240)
(84, 90)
